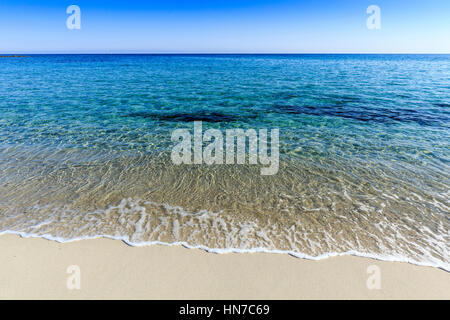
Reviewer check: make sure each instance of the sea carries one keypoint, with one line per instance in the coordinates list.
(364, 152)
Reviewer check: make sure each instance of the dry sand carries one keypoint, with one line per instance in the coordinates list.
(110, 269)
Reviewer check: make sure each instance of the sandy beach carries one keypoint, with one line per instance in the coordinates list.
(34, 268)
(225, 150)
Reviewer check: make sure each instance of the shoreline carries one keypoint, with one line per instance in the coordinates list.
(232, 250)
(111, 269)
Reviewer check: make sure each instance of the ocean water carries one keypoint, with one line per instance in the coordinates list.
(85, 143)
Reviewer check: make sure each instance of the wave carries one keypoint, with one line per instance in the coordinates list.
(213, 232)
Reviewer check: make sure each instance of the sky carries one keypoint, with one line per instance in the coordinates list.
(225, 26)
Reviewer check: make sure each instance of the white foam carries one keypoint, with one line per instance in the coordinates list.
(443, 266)
(240, 237)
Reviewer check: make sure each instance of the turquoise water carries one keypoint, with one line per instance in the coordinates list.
(364, 152)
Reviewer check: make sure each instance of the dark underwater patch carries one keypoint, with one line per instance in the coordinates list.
(187, 117)
(367, 115)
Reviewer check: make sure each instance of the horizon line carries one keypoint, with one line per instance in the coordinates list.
(224, 53)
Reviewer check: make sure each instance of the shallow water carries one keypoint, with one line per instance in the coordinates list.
(364, 152)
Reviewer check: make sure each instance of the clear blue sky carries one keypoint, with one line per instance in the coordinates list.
(225, 26)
